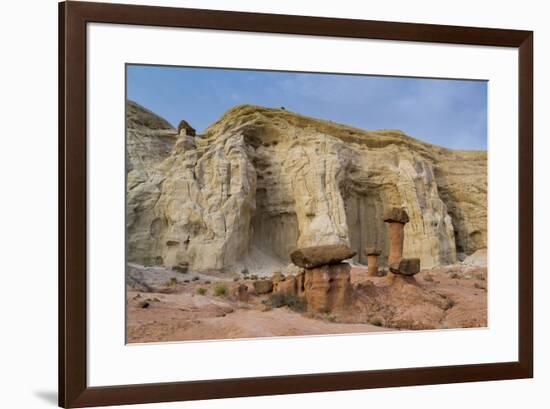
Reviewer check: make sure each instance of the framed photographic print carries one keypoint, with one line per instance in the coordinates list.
(256, 204)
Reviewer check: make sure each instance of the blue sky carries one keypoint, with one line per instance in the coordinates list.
(451, 113)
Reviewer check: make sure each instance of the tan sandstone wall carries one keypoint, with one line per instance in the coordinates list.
(262, 182)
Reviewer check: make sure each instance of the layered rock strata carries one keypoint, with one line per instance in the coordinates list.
(260, 183)
(328, 288)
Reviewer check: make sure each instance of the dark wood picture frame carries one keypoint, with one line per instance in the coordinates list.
(73, 388)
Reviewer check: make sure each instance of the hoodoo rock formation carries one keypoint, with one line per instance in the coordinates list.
(372, 254)
(328, 288)
(260, 183)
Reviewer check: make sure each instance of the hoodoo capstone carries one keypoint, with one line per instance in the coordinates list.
(316, 256)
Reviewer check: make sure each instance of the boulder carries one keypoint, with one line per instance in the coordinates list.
(311, 257)
(288, 286)
(263, 286)
(277, 276)
(328, 288)
(240, 292)
(407, 267)
(181, 268)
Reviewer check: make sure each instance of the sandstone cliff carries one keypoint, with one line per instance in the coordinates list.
(260, 182)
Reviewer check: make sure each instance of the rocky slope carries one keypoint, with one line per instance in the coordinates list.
(261, 182)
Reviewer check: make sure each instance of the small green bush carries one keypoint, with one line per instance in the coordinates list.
(201, 291)
(196, 278)
(382, 272)
(220, 290)
(292, 301)
(331, 318)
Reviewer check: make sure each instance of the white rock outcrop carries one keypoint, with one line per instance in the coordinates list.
(261, 182)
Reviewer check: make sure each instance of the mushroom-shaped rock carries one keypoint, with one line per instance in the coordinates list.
(263, 286)
(396, 215)
(407, 266)
(372, 251)
(311, 257)
(372, 260)
(188, 129)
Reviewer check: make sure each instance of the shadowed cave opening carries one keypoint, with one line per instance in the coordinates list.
(365, 225)
(274, 233)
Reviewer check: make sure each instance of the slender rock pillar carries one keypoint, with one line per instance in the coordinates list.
(396, 219)
(372, 254)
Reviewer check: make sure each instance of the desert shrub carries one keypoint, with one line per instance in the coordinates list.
(449, 304)
(172, 281)
(480, 286)
(331, 318)
(207, 282)
(253, 277)
(244, 271)
(196, 278)
(186, 281)
(180, 269)
(382, 272)
(236, 278)
(201, 291)
(376, 321)
(292, 301)
(220, 289)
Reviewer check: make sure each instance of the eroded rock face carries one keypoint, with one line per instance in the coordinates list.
(286, 286)
(260, 183)
(328, 288)
(404, 304)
